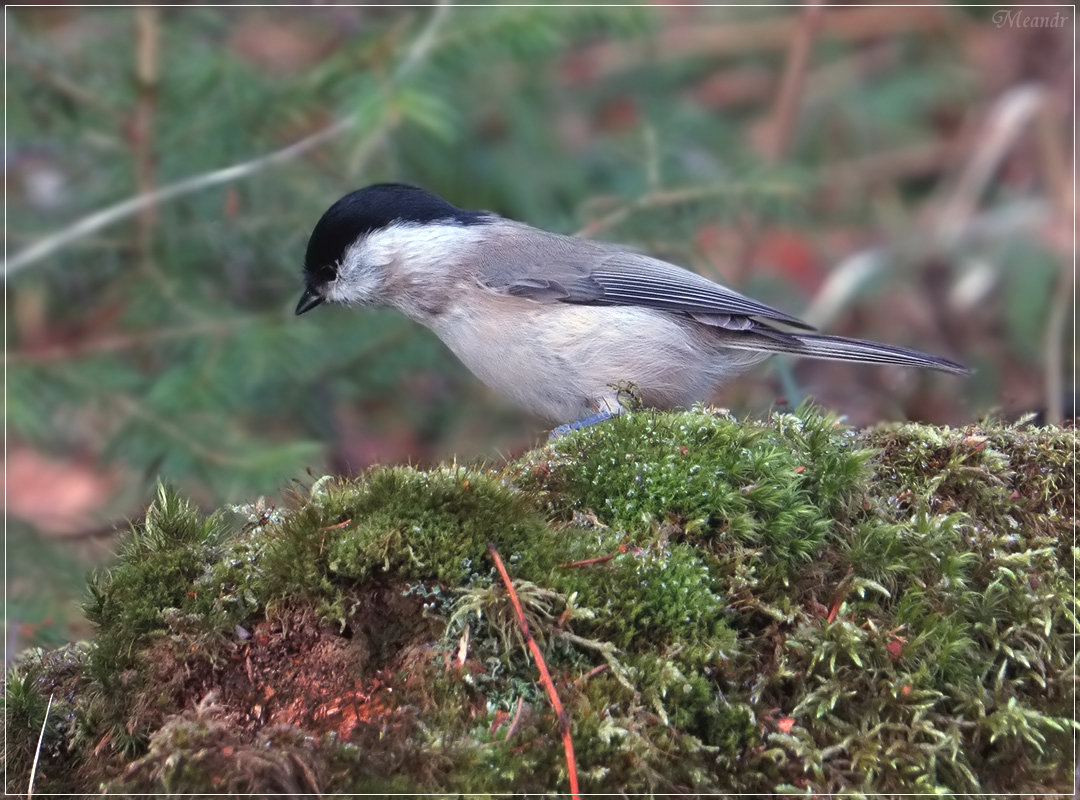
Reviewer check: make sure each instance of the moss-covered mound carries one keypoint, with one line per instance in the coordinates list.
(724, 606)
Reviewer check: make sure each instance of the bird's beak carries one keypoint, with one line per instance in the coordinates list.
(308, 301)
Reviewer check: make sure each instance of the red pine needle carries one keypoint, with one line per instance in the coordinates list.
(834, 609)
(545, 676)
(338, 526)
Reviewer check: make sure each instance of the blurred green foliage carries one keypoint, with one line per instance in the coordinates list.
(165, 344)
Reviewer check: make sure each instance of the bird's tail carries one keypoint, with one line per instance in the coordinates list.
(840, 348)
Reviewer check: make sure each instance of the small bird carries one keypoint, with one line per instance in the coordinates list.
(560, 325)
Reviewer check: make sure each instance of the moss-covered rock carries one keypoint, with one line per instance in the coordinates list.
(725, 606)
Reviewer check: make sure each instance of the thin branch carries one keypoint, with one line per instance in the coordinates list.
(660, 199)
(545, 676)
(916, 159)
(113, 214)
(421, 47)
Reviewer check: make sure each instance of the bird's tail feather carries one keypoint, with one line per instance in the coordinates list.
(840, 348)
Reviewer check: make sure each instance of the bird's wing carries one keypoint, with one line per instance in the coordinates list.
(593, 273)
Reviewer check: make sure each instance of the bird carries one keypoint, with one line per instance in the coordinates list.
(563, 326)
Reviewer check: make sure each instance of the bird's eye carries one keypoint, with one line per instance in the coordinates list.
(326, 273)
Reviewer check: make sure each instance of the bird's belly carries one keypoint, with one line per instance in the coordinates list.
(565, 362)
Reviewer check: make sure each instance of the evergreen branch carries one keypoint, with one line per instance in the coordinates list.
(92, 223)
(420, 49)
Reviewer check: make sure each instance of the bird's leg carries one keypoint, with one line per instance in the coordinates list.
(578, 424)
(606, 408)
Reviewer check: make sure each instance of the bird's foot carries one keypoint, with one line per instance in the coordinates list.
(584, 422)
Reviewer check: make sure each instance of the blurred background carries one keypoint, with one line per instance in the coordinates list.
(901, 174)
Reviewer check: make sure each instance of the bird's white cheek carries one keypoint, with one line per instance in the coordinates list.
(335, 294)
(352, 290)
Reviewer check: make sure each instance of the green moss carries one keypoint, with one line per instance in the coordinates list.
(25, 721)
(159, 562)
(32, 728)
(646, 598)
(418, 525)
(774, 486)
(724, 606)
(431, 525)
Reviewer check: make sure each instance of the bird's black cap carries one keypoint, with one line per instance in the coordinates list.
(369, 209)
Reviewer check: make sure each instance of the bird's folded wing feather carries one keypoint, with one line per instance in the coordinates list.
(600, 274)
